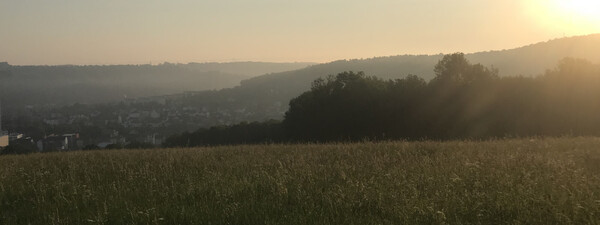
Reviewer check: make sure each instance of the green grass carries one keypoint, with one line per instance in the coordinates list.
(521, 181)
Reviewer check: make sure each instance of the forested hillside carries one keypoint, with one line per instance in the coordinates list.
(277, 89)
(529, 60)
(463, 101)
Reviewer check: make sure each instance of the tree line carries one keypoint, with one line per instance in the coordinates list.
(463, 101)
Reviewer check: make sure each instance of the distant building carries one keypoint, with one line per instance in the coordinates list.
(104, 144)
(53, 143)
(72, 140)
(52, 122)
(3, 135)
(3, 140)
(14, 136)
(154, 115)
(64, 142)
(153, 139)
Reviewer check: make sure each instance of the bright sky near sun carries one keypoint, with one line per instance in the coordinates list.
(152, 31)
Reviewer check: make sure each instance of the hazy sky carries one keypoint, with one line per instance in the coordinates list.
(144, 31)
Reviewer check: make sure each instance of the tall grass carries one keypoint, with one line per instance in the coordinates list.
(517, 181)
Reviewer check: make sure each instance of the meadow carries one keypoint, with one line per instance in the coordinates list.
(512, 181)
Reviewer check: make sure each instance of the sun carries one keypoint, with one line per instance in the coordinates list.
(567, 16)
(580, 9)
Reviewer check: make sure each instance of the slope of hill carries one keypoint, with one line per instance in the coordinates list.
(529, 60)
(68, 84)
(514, 181)
(536, 58)
(267, 96)
(263, 97)
(251, 69)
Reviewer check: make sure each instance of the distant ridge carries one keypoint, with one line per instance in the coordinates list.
(534, 59)
(528, 60)
(69, 84)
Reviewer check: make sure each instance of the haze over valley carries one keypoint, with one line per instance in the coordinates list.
(300, 112)
(186, 97)
(70, 84)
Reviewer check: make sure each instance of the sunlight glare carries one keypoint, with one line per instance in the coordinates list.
(572, 17)
(585, 9)
(582, 13)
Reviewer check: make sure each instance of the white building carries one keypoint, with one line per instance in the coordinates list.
(3, 135)
(3, 140)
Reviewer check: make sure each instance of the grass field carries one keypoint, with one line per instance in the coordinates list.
(517, 181)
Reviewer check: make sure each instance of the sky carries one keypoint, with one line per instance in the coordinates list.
(43, 32)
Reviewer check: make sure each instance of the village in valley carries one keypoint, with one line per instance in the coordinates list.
(148, 121)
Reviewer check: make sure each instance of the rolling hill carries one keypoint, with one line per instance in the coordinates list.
(257, 98)
(529, 60)
(267, 96)
(69, 84)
